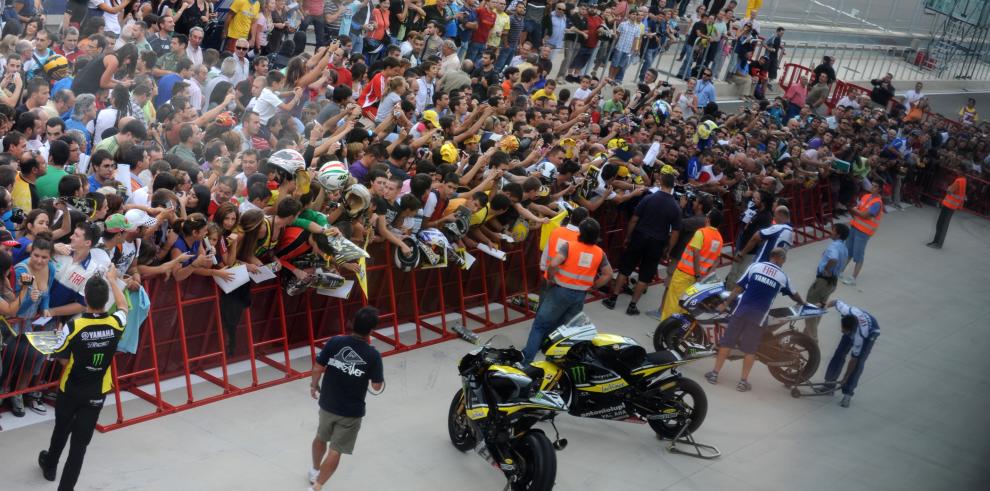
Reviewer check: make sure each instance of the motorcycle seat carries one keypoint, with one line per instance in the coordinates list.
(661, 357)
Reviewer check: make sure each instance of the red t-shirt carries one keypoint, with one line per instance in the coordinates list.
(594, 22)
(486, 19)
(343, 75)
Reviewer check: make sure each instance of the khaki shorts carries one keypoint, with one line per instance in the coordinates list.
(339, 431)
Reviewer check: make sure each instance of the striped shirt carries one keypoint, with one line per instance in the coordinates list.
(516, 24)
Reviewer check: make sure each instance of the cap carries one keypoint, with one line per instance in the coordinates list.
(7, 239)
(140, 218)
(449, 153)
(432, 116)
(117, 223)
(472, 139)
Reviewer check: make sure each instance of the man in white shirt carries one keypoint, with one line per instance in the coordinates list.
(242, 66)
(194, 50)
(912, 96)
(450, 61)
(268, 102)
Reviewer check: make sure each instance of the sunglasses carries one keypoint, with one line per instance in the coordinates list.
(241, 48)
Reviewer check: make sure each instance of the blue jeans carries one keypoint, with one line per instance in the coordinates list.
(504, 57)
(648, 56)
(534, 33)
(474, 52)
(839, 359)
(688, 52)
(319, 27)
(557, 306)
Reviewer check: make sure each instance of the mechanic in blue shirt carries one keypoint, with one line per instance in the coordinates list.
(859, 332)
(827, 274)
(756, 290)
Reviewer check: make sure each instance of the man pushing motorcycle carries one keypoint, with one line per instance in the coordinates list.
(761, 283)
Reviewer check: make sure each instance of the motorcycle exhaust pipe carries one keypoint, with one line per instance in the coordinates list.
(560, 444)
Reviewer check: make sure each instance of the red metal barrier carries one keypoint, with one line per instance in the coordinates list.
(791, 73)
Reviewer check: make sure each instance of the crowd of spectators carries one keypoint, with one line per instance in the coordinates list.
(173, 139)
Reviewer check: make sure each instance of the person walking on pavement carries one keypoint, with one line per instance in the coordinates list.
(865, 221)
(578, 267)
(761, 283)
(347, 364)
(651, 232)
(827, 274)
(89, 342)
(859, 333)
(700, 257)
(954, 199)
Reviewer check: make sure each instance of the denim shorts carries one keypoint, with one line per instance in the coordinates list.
(743, 332)
(620, 59)
(856, 244)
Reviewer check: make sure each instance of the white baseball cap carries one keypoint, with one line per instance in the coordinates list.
(140, 218)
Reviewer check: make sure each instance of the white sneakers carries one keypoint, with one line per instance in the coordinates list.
(848, 280)
(313, 473)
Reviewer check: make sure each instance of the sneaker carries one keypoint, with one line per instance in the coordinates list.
(313, 473)
(47, 470)
(712, 377)
(36, 405)
(631, 309)
(846, 399)
(743, 386)
(17, 406)
(609, 302)
(848, 280)
(653, 314)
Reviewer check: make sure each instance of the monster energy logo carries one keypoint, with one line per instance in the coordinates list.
(97, 359)
(579, 374)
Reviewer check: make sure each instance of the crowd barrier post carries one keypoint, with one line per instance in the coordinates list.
(223, 382)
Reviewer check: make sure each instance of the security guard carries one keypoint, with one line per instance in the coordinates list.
(955, 196)
(859, 333)
(700, 257)
(567, 233)
(865, 221)
(573, 271)
(89, 342)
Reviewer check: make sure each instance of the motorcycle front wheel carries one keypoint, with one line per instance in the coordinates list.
(458, 426)
(805, 353)
(693, 405)
(537, 460)
(668, 336)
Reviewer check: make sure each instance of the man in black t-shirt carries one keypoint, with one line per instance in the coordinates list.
(347, 364)
(89, 343)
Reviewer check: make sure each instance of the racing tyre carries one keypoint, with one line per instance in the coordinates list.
(805, 353)
(536, 460)
(668, 336)
(458, 426)
(690, 399)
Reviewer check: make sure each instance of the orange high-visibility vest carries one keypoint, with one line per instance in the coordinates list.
(581, 266)
(867, 225)
(558, 234)
(711, 247)
(954, 201)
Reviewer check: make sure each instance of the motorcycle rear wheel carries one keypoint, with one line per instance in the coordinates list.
(696, 407)
(668, 336)
(538, 460)
(808, 353)
(458, 427)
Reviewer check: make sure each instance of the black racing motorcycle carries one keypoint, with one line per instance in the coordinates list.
(605, 376)
(791, 356)
(495, 411)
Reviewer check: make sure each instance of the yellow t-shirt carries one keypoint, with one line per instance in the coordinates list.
(543, 93)
(453, 205)
(245, 13)
(501, 25)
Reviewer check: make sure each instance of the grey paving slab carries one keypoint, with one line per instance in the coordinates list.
(917, 422)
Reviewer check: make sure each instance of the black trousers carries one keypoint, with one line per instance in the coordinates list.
(75, 416)
(942, 225)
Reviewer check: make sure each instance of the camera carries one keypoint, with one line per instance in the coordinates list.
(28, 281)
(691, 195)
(17, 215)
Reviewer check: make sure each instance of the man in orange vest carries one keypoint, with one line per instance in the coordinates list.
(567, 233)
(578, 266)
(700, 257)
(865, 221)
(955, 196)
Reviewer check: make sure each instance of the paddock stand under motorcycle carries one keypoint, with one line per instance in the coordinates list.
(816, 389)
(697, 450)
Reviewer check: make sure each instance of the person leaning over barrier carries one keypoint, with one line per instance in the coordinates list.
(859, 333)
(353, 363)
(89, 343)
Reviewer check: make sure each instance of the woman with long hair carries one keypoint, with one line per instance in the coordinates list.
(191, 234)
(37, 222)
(99, 74)
(120, 106)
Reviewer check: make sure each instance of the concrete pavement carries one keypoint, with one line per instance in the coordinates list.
(917, 421)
